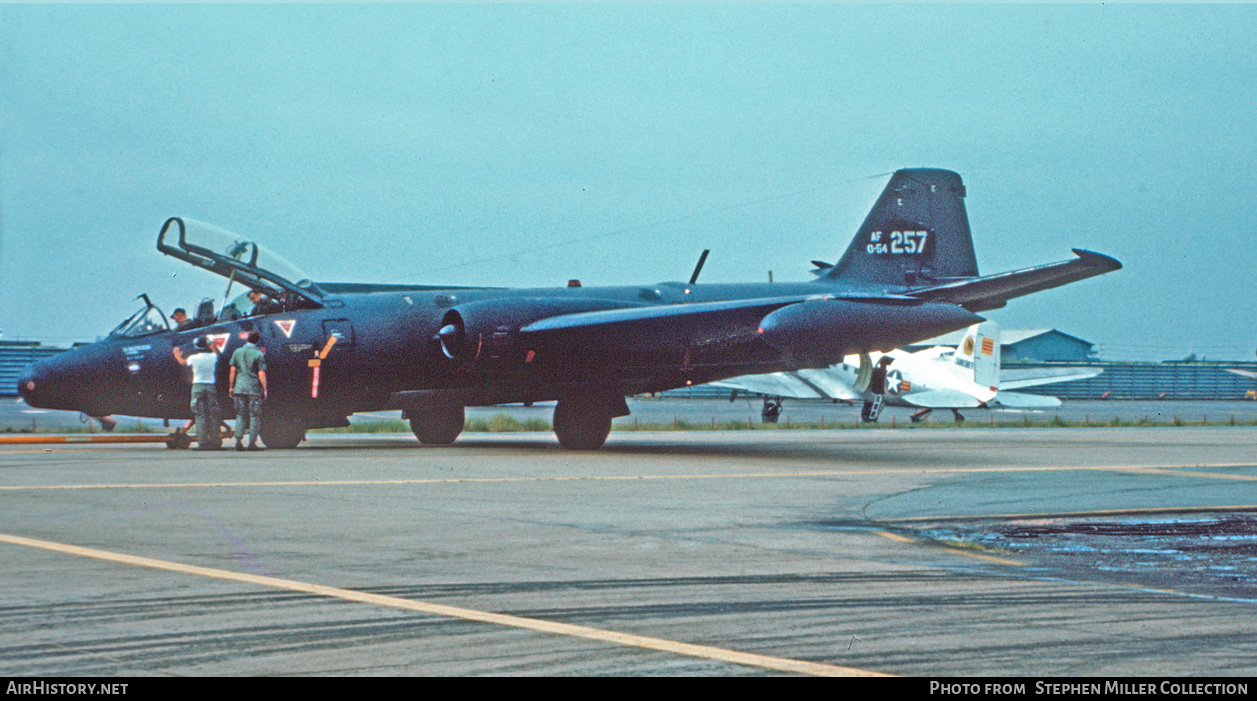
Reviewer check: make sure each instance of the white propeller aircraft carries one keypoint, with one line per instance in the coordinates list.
(967, 376)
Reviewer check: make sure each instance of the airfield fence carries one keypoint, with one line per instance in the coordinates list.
(1175, 380)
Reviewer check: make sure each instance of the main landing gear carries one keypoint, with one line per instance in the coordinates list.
(919, 416)
(281, 433)
(437, 425)
(771, 411)
(580, 423)
(583, 423)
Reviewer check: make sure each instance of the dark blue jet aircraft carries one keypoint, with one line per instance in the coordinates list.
(333, 349)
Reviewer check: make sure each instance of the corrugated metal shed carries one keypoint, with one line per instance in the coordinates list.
(16, 355)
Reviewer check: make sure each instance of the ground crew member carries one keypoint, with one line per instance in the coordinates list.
(247, 385)
(204, 364)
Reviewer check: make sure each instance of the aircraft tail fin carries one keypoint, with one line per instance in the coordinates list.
(916, 234)
(980, 351)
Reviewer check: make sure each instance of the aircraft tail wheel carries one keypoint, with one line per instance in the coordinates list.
(437, 425)
(277, 433)
(581, 425)
(178, 440)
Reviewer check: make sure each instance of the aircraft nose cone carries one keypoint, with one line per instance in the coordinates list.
(28, 382)
(68, 381)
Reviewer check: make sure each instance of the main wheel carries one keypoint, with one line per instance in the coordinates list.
(278, 433)
(581, 425)
(437, 425)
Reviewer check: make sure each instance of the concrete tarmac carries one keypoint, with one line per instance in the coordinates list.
(1041, 552)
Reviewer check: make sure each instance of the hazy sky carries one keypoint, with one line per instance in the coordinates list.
(525, 145)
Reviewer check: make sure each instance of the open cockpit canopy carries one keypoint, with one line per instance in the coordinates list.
(236, 258)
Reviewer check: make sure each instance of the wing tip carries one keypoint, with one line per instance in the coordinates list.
(1098, 260)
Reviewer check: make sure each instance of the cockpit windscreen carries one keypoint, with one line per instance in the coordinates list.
(145, 321)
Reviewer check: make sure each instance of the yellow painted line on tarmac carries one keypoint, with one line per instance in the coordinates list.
(959, 551)
(896, 537)
(627, 639)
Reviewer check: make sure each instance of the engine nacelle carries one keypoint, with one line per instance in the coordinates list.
(822, 331)
(488, 330)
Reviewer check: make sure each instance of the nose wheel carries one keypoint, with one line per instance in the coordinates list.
(178, 440)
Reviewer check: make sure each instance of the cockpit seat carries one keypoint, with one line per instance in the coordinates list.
(205, 313)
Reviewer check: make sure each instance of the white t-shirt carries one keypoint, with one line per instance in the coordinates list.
(203, 365)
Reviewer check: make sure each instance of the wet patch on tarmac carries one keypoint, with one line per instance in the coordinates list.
(1213, 555)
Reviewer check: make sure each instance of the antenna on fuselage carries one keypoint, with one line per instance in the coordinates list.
(699, 268)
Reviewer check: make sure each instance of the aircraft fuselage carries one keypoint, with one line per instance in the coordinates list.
(385, 345)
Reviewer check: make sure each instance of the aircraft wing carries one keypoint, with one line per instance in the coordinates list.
(773, 384)
(1019, 378)
(611, 318)
(941, 399)
(992, 291)
(798, 384)
(1245, 373)
(820, 329)
(830, 383)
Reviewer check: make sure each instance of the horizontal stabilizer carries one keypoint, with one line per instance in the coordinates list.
(1021, 378)
(942, 399)
(992, 291)
(1018, 400)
